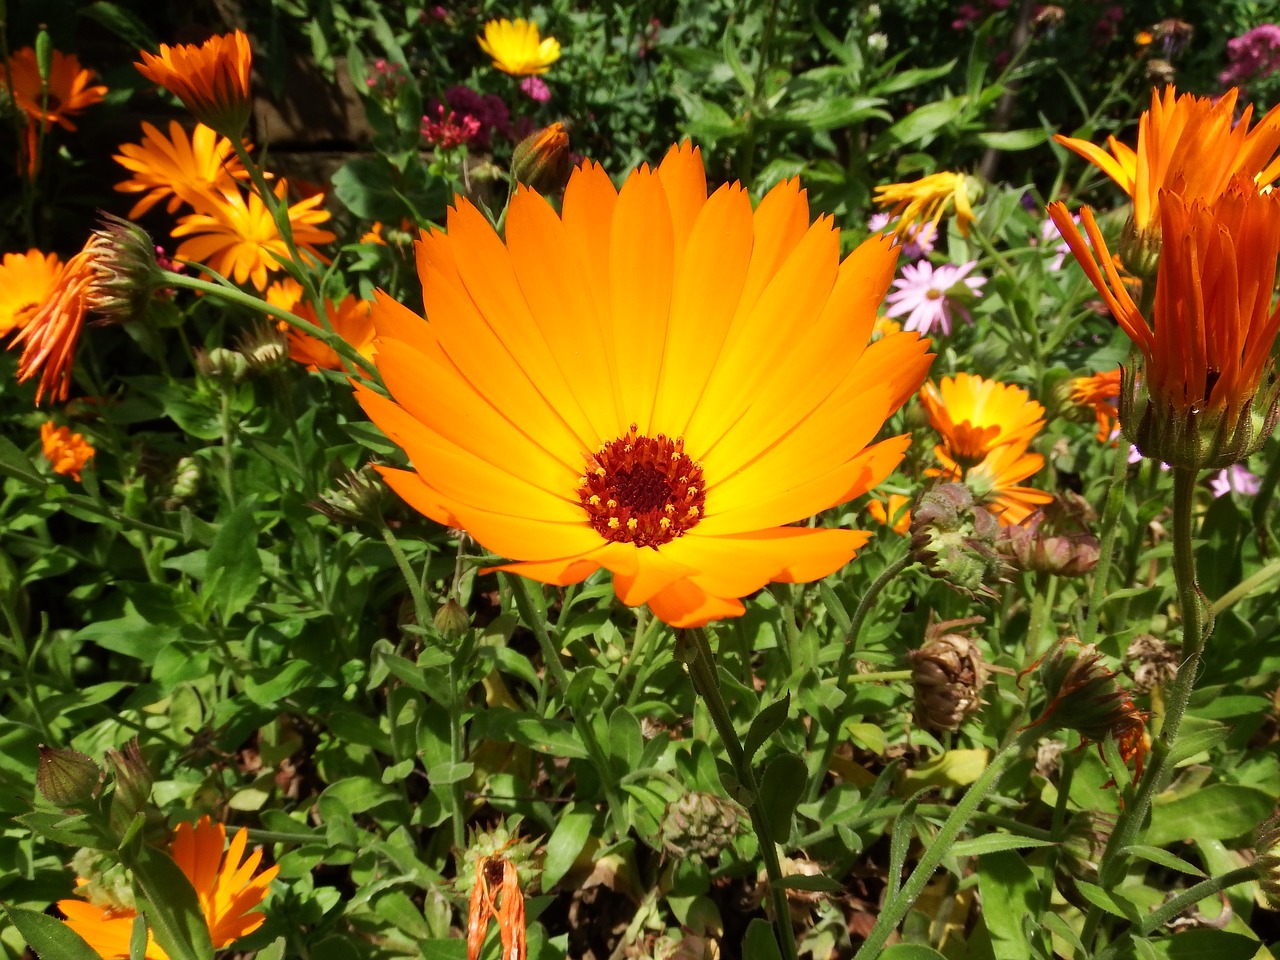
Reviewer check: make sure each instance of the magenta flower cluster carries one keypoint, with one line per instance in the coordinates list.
(1254, 55)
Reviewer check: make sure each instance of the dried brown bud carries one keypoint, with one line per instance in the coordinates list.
(1154, 663)
(948, 674)
(66, 778)
(699, 825)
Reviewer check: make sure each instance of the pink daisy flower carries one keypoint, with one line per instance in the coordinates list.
(927, 295)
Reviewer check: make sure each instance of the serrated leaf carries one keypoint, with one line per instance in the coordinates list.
(50, 938)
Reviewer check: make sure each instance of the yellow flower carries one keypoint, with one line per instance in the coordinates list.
(1191, 145)
(68, 452)
(196, 171)
(351, 320)
(236, 236)
(653, 381)
(69, 87)
(893, 512)
(226, 887)
(27, 280)
(211, 80)
(516, 47)
(974, 415)
(927, 200)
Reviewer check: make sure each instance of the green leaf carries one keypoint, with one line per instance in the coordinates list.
(15, 463)
(74, 831)
(919, 124)
(122, 23)
(1164, 858)
(829, 113)
(1112, 903)
(910, 951)
(51, 939)
(1013, 140)
(906, 79)
(565, 844)
(1206, 945)
(1009, 893)
(169, 903)
(448, 772)
(759, 943)
(1219, 811)
(626, 741)
(995, 843)
(1189, 744)
(780, 789)
(764, 724)
(555, 737)
(233, 565)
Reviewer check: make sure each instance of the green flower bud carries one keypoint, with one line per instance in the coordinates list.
(542, 161)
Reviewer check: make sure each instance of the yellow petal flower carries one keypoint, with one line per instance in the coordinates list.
(926, 200)
(516, 47)
(27, 281)
(195, 170)
(975, 415)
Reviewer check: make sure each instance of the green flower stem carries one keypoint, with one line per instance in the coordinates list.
(702, 671)
(1106, 548)
(1026, 320)
(1042, 598)
(882, 676)
(895, 910)
(227, 428)
(1260, 578)
(1197, 623)
(237, 296)
(1193, 895)
(420, 608)
(529, 614)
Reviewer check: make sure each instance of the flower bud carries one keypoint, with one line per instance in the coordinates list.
(66, 778)
(133, 779)
(265, 348)
(542, 160)
(955, 539)
(1267, 861)
(357, 498)
(699, 825)
(186, 482)
(222, 365)
(1053, 540)
(451, 620)
(948, 674)
(126, 272)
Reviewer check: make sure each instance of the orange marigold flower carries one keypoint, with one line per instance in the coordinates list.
(1102, 392)
(211, 80)
(236, 236)
(352, 320)
(225, 885)
(26, 281)
(1206, 350)
(893, 512)
(196, 171)
(975, 416)
(496, 895)
(285, 293)
(69, 87)
(516, 47)
(49, 338)
(374, 235)
(67, 451)
(994, 480)
(927, 199)
(654, 381)
(1191, 145)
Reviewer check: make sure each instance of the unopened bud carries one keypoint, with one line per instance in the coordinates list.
(44, 55)
(542, 161)
(699, 825)
(451, 620)
(133, 779)
(126, 272)
(66, 778)
(265, 348)
(222, 365)
(1154, 663)
(955, 538)
(1267, 861)
(357, 497)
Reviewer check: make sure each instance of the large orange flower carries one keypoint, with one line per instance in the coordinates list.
(1191, 145)
(69, 88)
(1206, 350)
(975, 415)
(49, 339)
(352, 321)
(196, 171)
(236, 236)
(653, 381)
(226, 887)
(26, 281)
(211, 80)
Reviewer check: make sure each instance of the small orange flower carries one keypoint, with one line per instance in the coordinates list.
(496, 895)
(1207, 347)
(211, 80)
(236, 236)
(49, 338)
(27, 280)
(974, 415)
(894, 512)
(927, 199)
(352, 321)
(69, 89)
(67, 451)
(1191, 145)
(1102, 392)
(374, 235)
(285, 293)
(225, 885)
(196, 171)
(994, 480)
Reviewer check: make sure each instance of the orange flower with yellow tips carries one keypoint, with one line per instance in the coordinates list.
(225, 885)
(70, 87)
(237, 236)
(974, 415)
(352, 321)
(26, 281)
(926, 200)
(994, 480)
(67, 452)
(1190, 145)
(654, 381)
(195, 170)
(49, 338)
(1206, 393)
(211, 80)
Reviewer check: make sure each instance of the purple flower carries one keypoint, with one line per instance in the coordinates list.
(928, 295)
(1049, 232)
(536, 88)
(1234, 479)
(878, 222)
(919, 241)
(487, 109)
(1254, 55)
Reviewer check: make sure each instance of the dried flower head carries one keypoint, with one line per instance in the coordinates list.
(954, 537)
(947, 675)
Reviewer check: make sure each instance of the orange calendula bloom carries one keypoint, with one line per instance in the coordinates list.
(994, 480)
(1206, 351)
(211, 80)
(927, 199)
(70, 87)
(68, 452)
(654, 381)
(1190, 145)
(49, 338)
(496, 895)
(1101, 391)
(975, 416)
(352, 320)
(27, 280)
(894, 512)
(516, 47)
(236, 236)
(225, 885)
(196, 170)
